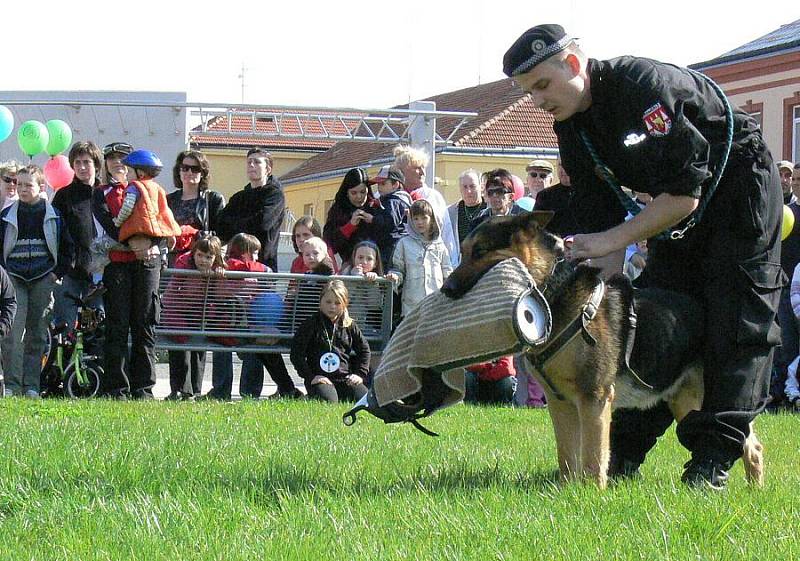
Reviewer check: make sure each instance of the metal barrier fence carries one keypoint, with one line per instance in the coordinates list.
(260, 312)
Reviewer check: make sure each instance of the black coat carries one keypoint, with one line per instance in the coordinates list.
(207, 207)
(74, 204)
(257, 211)
(313, 339)
(8, 304)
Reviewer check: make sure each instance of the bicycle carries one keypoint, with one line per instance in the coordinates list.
(69, 370)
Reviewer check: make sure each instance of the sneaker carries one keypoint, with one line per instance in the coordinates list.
(705, 473)
(8, 392)
(173, 396)
(32, 394)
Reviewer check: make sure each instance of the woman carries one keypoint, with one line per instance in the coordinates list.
(193, 205)
(350, 217)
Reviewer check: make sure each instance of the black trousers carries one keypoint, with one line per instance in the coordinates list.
(253, 383)
(730, 262)
(186, 371)
(132, 306)
(336, 392)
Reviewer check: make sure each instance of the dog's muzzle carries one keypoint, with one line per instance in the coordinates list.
(533, 321)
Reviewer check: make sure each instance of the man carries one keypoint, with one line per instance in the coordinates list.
(258, 209)
(412, 163)
(661, 129)
(500, 194)
(540, 176)
(74, 204)
(463, 212)
(786, 169)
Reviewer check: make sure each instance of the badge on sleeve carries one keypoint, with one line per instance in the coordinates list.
(657, 121)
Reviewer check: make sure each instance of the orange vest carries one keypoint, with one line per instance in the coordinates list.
(151, 215)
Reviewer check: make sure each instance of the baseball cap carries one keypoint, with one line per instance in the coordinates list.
(388, 172)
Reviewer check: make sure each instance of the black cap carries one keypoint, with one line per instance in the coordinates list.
(534, 46)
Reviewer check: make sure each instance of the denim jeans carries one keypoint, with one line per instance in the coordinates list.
(24, 345)
(221, 375)
(65, 310)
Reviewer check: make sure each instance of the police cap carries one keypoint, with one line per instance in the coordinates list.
(534, 46)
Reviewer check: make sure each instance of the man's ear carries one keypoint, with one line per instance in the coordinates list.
(573, 63)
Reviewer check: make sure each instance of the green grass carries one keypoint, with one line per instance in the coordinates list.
(286, 480)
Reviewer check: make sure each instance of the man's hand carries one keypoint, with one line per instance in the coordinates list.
(354, 380)
(586, 246)
(321, 380)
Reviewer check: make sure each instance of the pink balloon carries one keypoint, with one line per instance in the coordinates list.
(58, 173)
(519, 187)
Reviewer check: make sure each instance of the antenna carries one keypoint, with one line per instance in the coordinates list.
(241, 77)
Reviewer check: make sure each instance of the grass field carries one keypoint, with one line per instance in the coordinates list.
(286, 480)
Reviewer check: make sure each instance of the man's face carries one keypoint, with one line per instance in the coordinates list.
(84, 169)
(415, 176)
(258, 169)
(470, 190)
(796, 182)
(786, 179)
(556, 88)
(538, 179)
(499, 199)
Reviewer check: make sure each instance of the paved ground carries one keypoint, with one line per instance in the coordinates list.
(161, 390)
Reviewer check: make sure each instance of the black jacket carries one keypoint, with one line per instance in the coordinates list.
(313, 339)
(207, 207)
(74, 204)
(257, 211)
(390, 222)
(338, 234)
(8, 303)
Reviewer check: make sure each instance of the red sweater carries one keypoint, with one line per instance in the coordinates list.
(495, 370)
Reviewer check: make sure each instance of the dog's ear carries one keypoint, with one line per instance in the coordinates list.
(538, 219)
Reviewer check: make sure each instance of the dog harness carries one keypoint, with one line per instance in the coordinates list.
(563, 272)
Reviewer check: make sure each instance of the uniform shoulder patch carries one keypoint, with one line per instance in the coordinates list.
(657, 121)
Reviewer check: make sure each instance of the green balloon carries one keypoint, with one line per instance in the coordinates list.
(32, 137)
(60, 136)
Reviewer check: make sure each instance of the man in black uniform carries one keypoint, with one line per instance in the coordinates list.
(662, 130)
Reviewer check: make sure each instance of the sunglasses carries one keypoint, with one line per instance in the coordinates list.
(119, 147)
(193, 169)
(10, 180)
(496, 192)
(540, 175)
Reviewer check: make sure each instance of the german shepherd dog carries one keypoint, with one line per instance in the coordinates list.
(589, 375)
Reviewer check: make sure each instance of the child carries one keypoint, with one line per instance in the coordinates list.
(243, 252)
(306, 227)
(36, 252)
(421, 261)
(366, 260)
(145, 211)
(183, 301)
(328, 350)
(389, 224)
(491, 383)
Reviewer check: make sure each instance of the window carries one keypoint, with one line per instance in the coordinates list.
(328, 205)
(796, 133)
(308, 209)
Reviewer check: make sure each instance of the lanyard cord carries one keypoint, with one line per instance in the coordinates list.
(630, 205)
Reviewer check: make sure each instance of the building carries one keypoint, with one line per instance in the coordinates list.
(507, 132)
(762, 77)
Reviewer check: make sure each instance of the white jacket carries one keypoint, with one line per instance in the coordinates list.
(420, 265)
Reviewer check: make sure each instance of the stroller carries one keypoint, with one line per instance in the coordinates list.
(72, 365)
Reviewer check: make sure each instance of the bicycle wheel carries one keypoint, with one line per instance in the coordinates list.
(73, 387)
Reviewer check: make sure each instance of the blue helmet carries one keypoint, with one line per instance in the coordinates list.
(142, 159)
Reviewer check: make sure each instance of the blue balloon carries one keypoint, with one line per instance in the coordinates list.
(265, 310)
(6, 122)
(525, 203)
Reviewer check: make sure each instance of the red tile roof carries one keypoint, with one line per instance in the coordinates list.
(267, 123)
(506, 119)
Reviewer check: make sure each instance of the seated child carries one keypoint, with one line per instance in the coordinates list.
(243, 250)
(145, 211)
(328, 350)
(183, 308)
(367, 299)
(306, 227)
(37, 250)
(490, 383)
